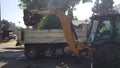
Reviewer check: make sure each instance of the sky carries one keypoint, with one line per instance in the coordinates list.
(11, 12)
(83, 11)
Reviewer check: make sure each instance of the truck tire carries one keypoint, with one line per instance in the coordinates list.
(31, 52)
(49, 52)
(108, 55)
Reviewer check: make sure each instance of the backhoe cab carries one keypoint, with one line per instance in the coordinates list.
(104, 37)
(104, 29)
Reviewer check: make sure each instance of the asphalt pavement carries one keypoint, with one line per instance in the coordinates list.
(12, 57)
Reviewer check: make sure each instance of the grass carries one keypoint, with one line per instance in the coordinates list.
(12, 40)
(1, 42)
(17, 47)
(22, 46)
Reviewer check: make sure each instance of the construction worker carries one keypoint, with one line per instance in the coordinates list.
(103, 28)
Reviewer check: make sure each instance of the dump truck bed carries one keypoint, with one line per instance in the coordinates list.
(49, 36)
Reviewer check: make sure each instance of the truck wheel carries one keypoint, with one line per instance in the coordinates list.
(31, 52)
(48, 52)
(107, 55)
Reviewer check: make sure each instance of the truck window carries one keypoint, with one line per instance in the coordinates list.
(107, 24)
(94, 27)
(104, 27)
(117, 23)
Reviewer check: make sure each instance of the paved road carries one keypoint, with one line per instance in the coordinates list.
(8, 52)
(10, 57)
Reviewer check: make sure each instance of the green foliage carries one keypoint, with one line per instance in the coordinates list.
(84, 1)
(37, 4)
(32, 4)
(117, 8)
(41, 23)
(103, 7)
(72, 5)
(68, 5)
(52, 22)
(5, 25)
(49, 22)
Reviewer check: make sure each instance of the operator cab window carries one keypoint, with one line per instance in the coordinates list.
(104, 30)
(95, 33)
(94, 27)
(105, 27)
(117, 24)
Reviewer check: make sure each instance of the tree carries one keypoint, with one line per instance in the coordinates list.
(68, 5)
(5, 25)
(72, 4)
(37, 4)
(0, 31)
(117, 8)
(32, 4)
(103, 6)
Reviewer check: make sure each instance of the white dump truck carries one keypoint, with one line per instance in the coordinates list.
(47, 41)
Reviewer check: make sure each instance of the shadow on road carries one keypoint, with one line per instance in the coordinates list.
(12, 48)
(8, 56)
(58, 62)
(20, 61)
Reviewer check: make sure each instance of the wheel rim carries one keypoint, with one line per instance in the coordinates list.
(32, 53)
(48, 52)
